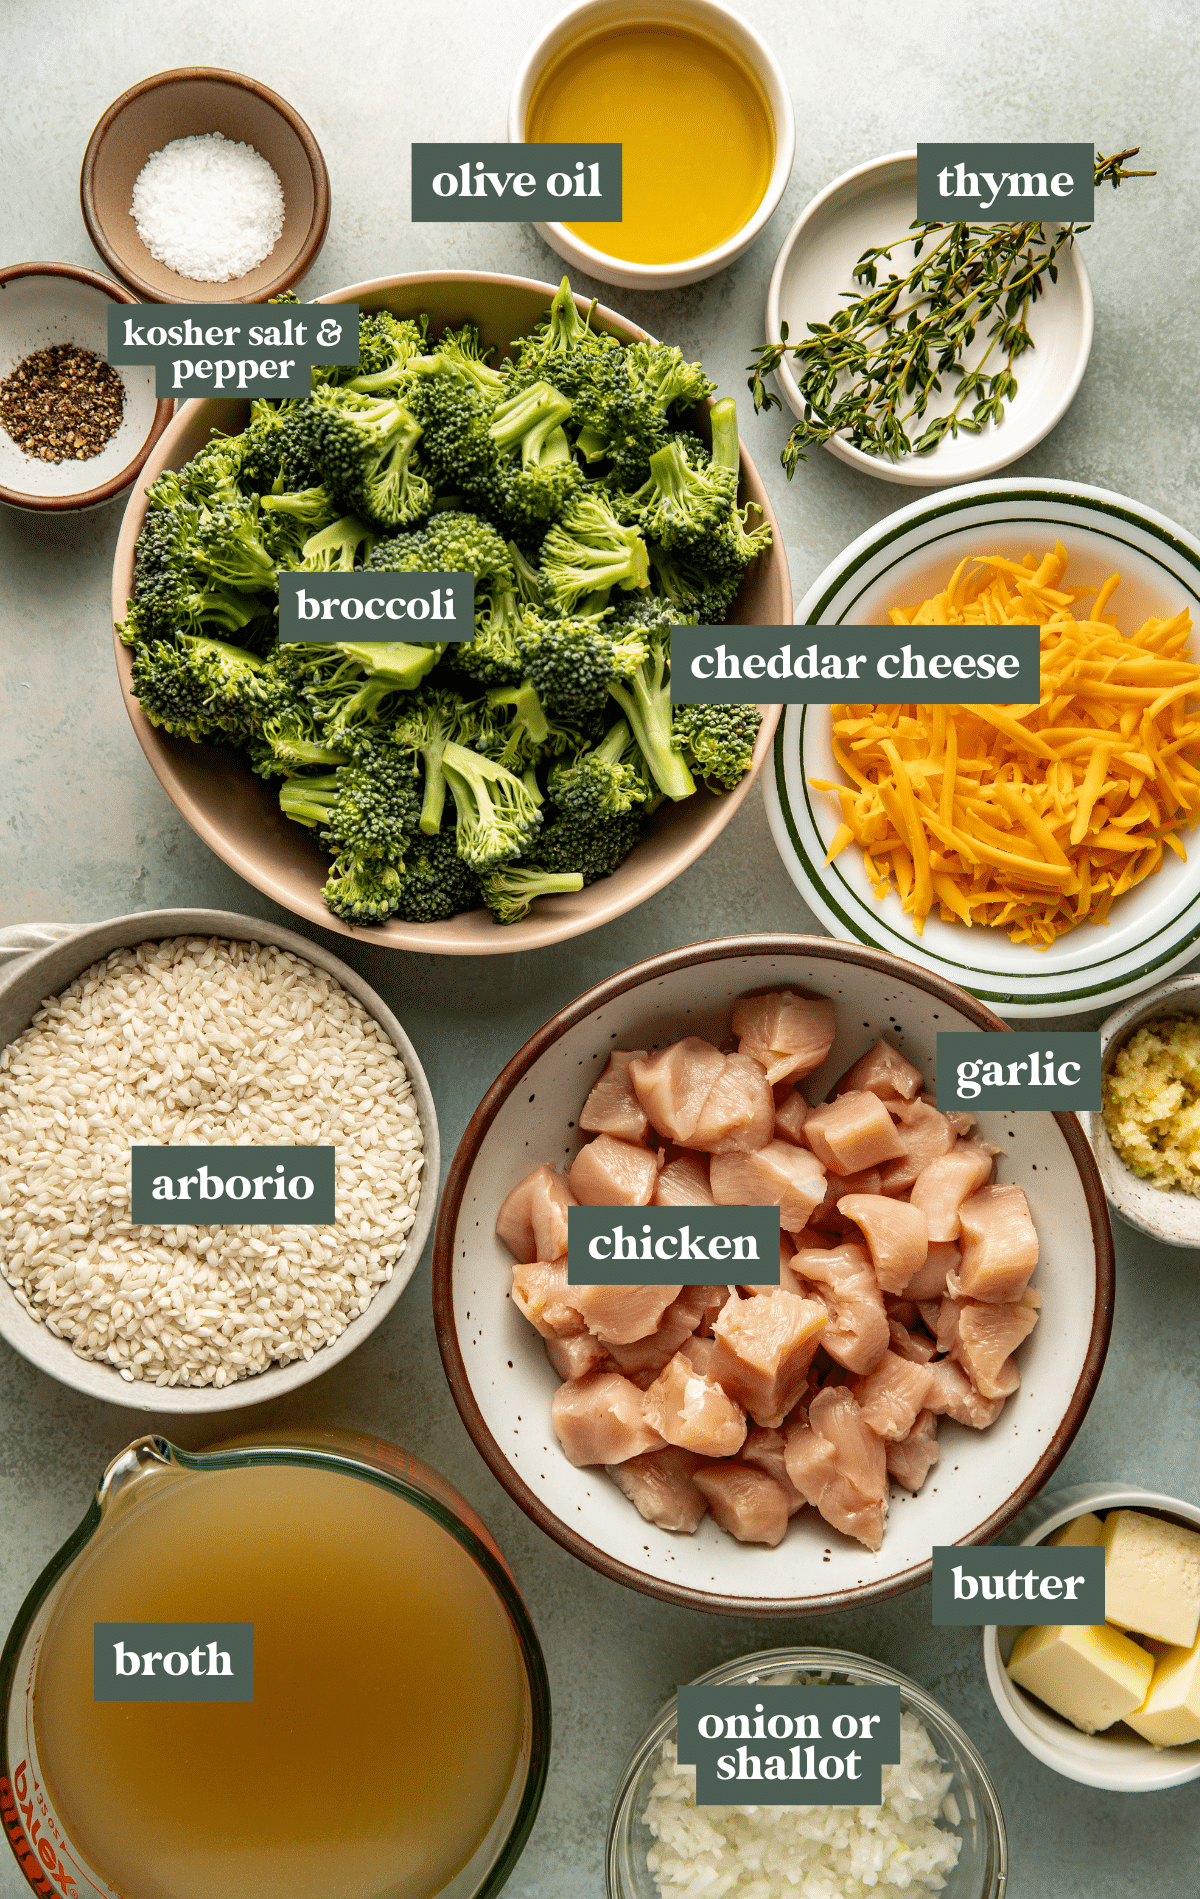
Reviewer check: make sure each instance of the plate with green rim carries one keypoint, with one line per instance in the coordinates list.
(1153, 929)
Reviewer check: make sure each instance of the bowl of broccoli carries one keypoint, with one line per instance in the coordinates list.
(511, 790)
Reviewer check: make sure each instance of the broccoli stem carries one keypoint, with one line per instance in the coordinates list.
(528, 709)
(395, 661)
(725, 451)
(308, 800)
(646, 702)
(530, 419)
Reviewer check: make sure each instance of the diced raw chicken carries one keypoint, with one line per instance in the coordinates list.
(689, 1408)
(929, 1280)
(846, 1475)
(738, 1115)
(925, 1135)
(746, 1502)
(533, 1220)
(540, 1292)
(836, 1188)
(660, 1485)
(601, 1419)
(673, 1085)
(901, 1308)
(896, 1234)
(764, 1347)
(909, 1343)
(853, 1132)
(882, 1071)
(694, 1306)
(787, 1279)
(612, 1173)
(790, 1035)
(790, 1115)
(911, 1461)
(856, 1333)
(620, 1314)
(764, 1448)
(778, 1175)
(940, 1189)
(891, 1396)
(683, 1183)
(613, 1107)
(946, 1335)
(575, 1357)
(987, 1335)
(962, 1122)
(999, 1246)
(952, 1392)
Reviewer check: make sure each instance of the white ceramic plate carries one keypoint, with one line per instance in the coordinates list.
(503, 1384)
(1153, 929)
(866, 207)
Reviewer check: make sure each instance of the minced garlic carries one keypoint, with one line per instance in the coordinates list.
(1152, 1102)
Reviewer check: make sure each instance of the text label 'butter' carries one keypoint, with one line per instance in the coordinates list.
(1005, 1585)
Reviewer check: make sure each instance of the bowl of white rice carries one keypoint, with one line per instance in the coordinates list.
(939, 1828)
(195, 1028)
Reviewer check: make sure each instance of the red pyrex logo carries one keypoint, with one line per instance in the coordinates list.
(37, 1857)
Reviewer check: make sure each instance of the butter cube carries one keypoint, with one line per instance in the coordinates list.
(1170, 1714)
(1152, 1577)
(1085, 1532)
(1091, 1676)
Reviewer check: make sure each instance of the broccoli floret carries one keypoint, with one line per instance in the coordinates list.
(363, 890)
(452, 541)
(290, 518)
(513, 459)
(509, 893)
(693, 596)
(349, 687)
(200, 688)
(436, 883)
(573, 659)
(171, 595)
(334, 549)
(717, 741)
(645, 699)
(605, 781)
(367, 809)
(683, 506)
(592, 847)
(588, 550)
(289, 743)
(730, 550)
(211, 478)
(277, 449)
(458, 354)
(386, 346)
(426, 722)
(497, 813)
(563, 349)
(365, 446)
(228, 547)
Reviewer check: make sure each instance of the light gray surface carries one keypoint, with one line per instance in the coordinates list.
(85, 831)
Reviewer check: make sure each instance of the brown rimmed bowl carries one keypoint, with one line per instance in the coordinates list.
(238, 815)
(188, 102)
(503, 1384)
(43, 304)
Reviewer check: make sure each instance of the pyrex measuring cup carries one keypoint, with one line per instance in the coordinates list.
(153, 1483)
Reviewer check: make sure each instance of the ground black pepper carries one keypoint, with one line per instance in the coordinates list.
(62, 403)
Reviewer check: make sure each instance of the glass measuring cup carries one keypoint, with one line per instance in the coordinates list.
(58, 1852)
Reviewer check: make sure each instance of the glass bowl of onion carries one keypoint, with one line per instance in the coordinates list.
(939, 1829)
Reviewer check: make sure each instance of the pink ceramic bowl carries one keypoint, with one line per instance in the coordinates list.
(238, 815)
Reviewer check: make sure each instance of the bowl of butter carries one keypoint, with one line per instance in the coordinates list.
(1115, 1706)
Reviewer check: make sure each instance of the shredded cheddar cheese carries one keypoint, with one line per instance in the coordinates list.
(1028, 818)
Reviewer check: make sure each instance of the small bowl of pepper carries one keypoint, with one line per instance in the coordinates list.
(73, 431)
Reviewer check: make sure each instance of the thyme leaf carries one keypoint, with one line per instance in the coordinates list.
(869, 373)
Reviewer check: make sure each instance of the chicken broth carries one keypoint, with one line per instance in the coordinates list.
(659, 91)
(389, 1708)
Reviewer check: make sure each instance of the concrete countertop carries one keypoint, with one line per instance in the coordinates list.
(86, 832)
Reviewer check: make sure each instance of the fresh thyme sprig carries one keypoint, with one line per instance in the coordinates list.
(870, 372)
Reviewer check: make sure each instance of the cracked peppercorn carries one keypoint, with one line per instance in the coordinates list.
(62, 404)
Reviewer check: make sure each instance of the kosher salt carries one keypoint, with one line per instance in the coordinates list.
(208, 207)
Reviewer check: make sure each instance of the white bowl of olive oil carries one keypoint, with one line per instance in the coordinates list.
(656, 81)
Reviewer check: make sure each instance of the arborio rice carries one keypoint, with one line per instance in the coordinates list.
(195, 1042)
(807, 1852)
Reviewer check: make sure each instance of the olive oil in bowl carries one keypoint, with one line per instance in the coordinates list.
(696, 131)
(388, 1734)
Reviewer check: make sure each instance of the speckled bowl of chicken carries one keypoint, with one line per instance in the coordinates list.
(940, 1323)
